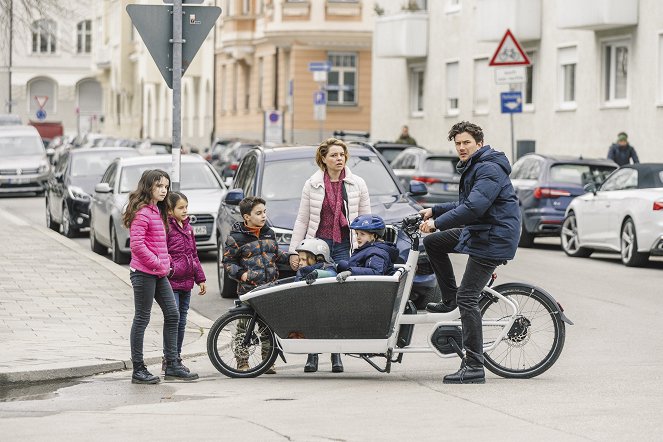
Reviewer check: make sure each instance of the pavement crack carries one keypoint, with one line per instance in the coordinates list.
(284, 436)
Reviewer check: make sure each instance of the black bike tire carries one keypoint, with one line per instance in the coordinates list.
(556, 347)
(217, 360)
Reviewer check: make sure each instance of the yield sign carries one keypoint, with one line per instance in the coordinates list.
(509, 52)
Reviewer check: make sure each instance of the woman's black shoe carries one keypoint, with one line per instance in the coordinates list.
(142, 376)
(311, 363)
(337, 365)
(175, 371)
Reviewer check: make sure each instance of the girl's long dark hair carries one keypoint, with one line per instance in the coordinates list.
(142, 197)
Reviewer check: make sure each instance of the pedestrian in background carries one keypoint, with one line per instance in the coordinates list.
(330, 197)
(145, 216)
(185, 265)
(622, 152)
(405, 137)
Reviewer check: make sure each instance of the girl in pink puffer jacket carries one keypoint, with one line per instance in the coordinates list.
(145, 216)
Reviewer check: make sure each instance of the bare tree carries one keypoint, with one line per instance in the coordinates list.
(17, 16)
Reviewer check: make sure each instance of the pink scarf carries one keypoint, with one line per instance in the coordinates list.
(334, 202)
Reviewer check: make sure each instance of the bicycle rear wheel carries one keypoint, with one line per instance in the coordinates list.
(534, 341)
(229, 355)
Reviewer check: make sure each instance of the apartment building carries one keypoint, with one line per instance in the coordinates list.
(51, 77)
(262, 57)
(137, 101)
(597, 69)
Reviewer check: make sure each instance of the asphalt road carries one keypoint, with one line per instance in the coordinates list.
(607, 384)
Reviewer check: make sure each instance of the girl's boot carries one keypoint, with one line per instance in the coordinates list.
(311, 363)
(337, 365)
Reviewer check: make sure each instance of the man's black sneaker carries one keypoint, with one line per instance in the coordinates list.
(467, 374)
(441, 307)
(142, 376)
(175, 371)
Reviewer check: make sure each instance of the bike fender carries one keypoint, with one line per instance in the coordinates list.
(541, 291)
(241, 307)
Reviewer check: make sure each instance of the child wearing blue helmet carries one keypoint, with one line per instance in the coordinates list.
(374, 256)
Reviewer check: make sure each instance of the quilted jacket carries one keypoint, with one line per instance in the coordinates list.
(244, 252)
(186, 268)
(313, 194)
(149, 247)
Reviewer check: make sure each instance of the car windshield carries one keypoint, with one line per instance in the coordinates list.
(284, 180)
(579, 174)
(440, 165)
(194, 176)
(94, 163)
(390, 154)
(20, 146)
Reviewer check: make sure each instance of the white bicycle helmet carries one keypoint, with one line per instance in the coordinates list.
(315, 246)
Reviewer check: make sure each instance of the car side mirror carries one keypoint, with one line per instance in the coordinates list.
(215, 156)
(417, 188)
(233, 197)
(103, 188)
(590, 187)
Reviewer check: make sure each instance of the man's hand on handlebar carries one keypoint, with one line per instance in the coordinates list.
(427, 226)
(426, 213)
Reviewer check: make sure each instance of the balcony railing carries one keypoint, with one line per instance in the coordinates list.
(522, 17)
(403, 35)
(596, 15)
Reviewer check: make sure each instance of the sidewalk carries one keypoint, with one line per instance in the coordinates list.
(66, 311)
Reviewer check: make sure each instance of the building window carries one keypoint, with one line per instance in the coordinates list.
(84, 37)
(417, 85)
(342, 79)
(528, 89)
(452, 6)
(43, 36)
(615, 72)
(453, 89)
(567, 59)
(482, 82)
(660, 69)
(234, 90)
(246, 7)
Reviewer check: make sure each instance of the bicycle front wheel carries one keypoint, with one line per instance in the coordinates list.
(229, 355)
(534, 341)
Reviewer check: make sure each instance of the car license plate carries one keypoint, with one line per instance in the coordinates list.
(200, 230)
(451, 187)
(19, 180)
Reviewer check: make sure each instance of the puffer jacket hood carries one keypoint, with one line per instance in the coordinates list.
(186, 267)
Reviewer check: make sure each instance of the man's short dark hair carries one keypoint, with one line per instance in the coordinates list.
(248, 203)
(465, 126)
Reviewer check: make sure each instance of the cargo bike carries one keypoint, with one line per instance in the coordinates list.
(370, 317)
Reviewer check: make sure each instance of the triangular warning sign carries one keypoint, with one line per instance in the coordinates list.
(41, 100)
(509, 52)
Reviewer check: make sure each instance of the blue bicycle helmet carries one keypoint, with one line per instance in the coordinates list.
(369, 223)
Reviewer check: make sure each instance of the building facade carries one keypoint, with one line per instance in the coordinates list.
(137, 101)
(597, 69)
(52, 80)
(263, 52)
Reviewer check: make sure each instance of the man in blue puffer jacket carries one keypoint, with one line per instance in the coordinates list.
(484, 224)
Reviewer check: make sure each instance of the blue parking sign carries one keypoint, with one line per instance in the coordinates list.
(512, 102)
(320, 98)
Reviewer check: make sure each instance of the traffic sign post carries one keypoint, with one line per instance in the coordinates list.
(160, 27)
(319, 70)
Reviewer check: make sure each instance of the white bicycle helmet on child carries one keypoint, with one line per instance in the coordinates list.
(315, 246)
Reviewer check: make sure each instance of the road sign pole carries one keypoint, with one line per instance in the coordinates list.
(177, 93)
(513, 146)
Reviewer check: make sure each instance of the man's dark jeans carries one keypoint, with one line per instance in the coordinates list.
(477, 274)
(146, 289)
(182, 299)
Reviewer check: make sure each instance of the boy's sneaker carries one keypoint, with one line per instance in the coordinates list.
(175, 372)
(142, 376)
(243, 364)
(272, 370)
(163, 365)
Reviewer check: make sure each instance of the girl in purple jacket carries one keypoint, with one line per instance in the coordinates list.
(145, 216)
(185, 265)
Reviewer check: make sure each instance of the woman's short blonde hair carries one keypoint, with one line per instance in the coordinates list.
(323, 150)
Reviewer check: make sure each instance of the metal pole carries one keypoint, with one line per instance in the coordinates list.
(11, 39)
(292, 111)
(513, 147)
(177, 93)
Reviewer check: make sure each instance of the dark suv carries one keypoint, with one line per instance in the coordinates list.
(278, 175)
(545, 186)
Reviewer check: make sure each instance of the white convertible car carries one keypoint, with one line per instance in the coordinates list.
(624, 214)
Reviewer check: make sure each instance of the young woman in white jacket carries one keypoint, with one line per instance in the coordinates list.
(331, 198)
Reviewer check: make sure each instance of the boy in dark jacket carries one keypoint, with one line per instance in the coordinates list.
(251, 254)
(374, 256)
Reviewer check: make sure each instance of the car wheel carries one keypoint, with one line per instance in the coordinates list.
(67, 230)
(227, 286)
(526, 238)
(629, 246)
(49, 219)
(95, 245)
(570, 240)
(117, 255)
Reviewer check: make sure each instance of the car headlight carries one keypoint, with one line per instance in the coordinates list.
(283, 236)
(77, 193)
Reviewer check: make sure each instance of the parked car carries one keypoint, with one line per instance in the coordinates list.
(199, 182)
(24, 163)
(10, 120)
(213, 153)
(545, 186)
(391, 150)
(624, 214)
(229, 159)
(278, 175)
(71, 184)
(437, 171)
